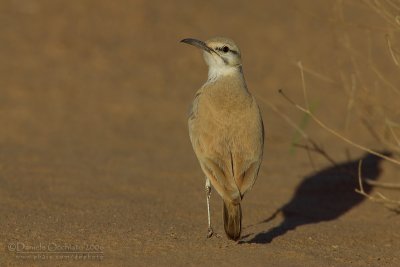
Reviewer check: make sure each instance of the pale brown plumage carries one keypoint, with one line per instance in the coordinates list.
(226, 129)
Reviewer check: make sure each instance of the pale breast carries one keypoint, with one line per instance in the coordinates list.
(225, 121)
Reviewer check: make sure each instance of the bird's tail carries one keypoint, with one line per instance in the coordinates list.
(232, 219)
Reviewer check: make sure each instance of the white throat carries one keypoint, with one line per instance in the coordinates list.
(215, 71)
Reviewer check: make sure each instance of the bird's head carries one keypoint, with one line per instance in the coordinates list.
(221, 54)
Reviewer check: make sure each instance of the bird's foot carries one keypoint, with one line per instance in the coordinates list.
(210, 232)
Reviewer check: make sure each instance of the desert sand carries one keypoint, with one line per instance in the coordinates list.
(94, 147)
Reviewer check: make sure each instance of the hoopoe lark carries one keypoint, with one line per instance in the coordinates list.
(226, 130)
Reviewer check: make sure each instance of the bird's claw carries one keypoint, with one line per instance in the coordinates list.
(210, 232)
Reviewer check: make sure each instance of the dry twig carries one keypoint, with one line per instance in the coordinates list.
(381, 184)
(314, 147)
(391, 51)
(392, 205)
(330, 130)
(320, 123)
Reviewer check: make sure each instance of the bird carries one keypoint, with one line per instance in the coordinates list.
(226, 130)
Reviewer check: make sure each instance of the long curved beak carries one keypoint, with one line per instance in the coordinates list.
(199, 44)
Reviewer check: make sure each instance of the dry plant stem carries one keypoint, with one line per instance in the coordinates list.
(318, 150)
(372, 130)
(350, 103)
(311, 160)
(391, 51)
(317, 75)
(383, 79)
(379, 138)
(393, 205)
(320, 123)
(380, 10)
(286, 118)
(359, 176)
(349, 48)
(383, 185)
(315, 147)
(303, 82)
(393, 5)
(392, 132)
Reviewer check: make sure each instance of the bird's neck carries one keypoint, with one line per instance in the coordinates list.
(216, 72)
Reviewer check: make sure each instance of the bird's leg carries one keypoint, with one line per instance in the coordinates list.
(208, 194)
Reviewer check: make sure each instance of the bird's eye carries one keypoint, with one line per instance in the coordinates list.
(225, 49)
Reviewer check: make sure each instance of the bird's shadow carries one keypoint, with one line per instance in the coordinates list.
(323, 196)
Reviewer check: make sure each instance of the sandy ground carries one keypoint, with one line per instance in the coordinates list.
(95, 154)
